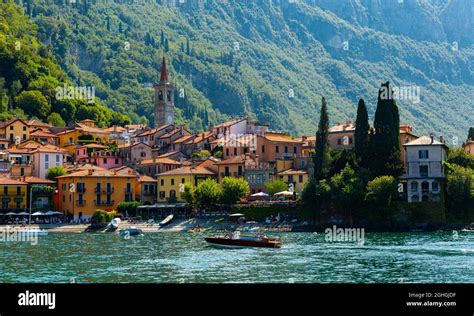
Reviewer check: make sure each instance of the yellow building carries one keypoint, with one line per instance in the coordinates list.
(297, 177)
(14, 131)
(84, 191)
(169, 182)
(232, 167)
(13, 194)
(68, 139)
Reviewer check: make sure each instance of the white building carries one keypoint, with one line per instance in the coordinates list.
(424, 169)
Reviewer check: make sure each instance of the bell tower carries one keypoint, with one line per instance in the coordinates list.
(164, 99)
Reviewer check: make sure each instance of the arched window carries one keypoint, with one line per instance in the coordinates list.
(414, 186)
(168, 96)
(425, 186)
(160, 95)
(435, 186)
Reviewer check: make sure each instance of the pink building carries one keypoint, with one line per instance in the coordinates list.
(107, 159)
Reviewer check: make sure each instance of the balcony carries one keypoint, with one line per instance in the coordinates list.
(425, 169)
(149, 192)
(81, 189)
(104, 203)
(80, 202)
(13, 193)
(104, 191)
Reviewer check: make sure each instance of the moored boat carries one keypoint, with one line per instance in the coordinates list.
(131, 231)
(167, 220)
(236, 240)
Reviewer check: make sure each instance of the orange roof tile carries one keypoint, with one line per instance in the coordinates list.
(8, 181)
(188, 170)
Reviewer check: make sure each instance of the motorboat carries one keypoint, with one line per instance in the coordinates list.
(167, 220)
(236, 240)
(113, 225)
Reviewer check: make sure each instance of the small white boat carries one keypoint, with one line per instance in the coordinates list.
(131, 231)
(115, 222)
(167, 220)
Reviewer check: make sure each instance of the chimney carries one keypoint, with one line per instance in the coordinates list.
(304, 138)
(90, 171)
(441, 139)
(432, 138)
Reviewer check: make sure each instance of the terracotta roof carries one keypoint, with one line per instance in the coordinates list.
(199, 138)
(94, 146)
(234, 160)
(8, 181)
(89, 129)
(6, 123)
(49, 149)
(183, 139)
(345, 127)
(37, 180)
(424, 140)
(115, 129)
(40, 133)
(134, 126)
(171, 133)
(97, 173)
(153, 130)
(38, 124)
(168, 154)
(84, 166)
(188, 170)
(292, 172)
(276, 137)
(18, 151)
(146, 179)
(157, 160)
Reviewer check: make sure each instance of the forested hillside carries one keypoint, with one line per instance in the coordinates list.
(30, 74)
(271, 59)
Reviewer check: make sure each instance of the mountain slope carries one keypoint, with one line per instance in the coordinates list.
(271, 59)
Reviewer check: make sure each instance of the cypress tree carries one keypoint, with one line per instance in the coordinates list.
(470, 135)
(361, 136)
(187, 46)
(162, 38)
(387, 135)
(321, 159)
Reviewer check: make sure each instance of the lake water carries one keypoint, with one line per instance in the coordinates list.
(182, 258)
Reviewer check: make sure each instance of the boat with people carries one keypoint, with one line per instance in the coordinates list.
(167, 220)
(237, 240)
(131, 231)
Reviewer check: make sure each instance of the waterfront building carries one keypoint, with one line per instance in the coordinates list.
(424, 169)
(44, 157)
(84, 191)
(146, 190)
(13, 195)
(43, 192)
(20, 162)
(232, 167)
(169, 182)
(297, 177)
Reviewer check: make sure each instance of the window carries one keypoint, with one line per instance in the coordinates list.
(263, 149)
(425, 186)
(435, 186)
(300, 178)
(24, 128)
(339, 141)
(46, 157)
(235, 151)
(226, 171)
(162, 181)
(286, 149)
(172, 194)
(11, 128)
(57, 158)
(24, 137)
(116, 161)
(423, 171)
(168, 96)
(18, 190)
(239, 172)
(423, 154)
(414, 187)
(294, 150)
(160, 95)
(227, 151)
(104, 160)
(182, 180)
(64, 198)
(290, 179)
(172, 181)
(162, 194)
(277, 148)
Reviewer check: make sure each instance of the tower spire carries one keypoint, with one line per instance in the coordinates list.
(164, 73)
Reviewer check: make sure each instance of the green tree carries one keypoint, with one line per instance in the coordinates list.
(321, 158)
(361, 135)
(470, 134)
(233, 189)
(202, 154)
(382, 190)
(188, 193)
(208, 193)
(314, 196)
(388, 160)
(460, 192)
(128, 208)
(460, 157)
(33, 103)
(275, 186)
(56, 120)
(55, 171)
(347, 190)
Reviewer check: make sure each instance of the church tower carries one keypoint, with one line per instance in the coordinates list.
(164, 99)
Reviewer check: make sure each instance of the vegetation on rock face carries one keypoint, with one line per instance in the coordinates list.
(269, 59)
